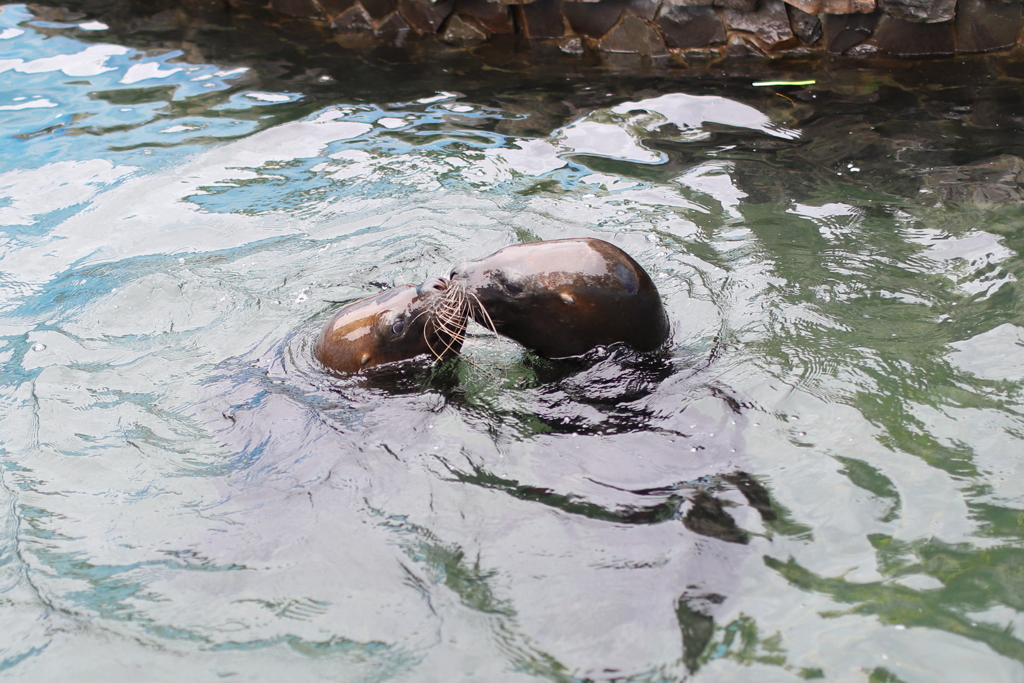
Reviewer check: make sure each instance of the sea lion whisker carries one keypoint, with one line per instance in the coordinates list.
(479, 367)
(482, 369)
(448, 347)
(454, 332)
(483, 312)
(426, 340)
(446, 328)
(445, 336)
(450, 315)
(453, 304)
(445, 314)
(425, 311)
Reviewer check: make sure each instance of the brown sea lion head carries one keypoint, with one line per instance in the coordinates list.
(564, 297)
(399, 323)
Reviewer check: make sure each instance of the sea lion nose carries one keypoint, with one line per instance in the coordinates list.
(433, 284)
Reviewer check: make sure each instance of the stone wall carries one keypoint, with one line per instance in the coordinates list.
(652, 31)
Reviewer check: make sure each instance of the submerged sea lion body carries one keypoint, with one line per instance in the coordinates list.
(399, 323)
(564, 297)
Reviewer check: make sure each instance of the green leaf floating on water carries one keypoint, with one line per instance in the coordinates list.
(759, 84)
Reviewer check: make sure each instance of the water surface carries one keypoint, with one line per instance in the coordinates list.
(819, 479)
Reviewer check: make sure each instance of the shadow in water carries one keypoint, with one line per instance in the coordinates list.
(610, 390)
(697, 504)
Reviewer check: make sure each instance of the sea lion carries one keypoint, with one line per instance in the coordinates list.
(564, 297)
(399, 323)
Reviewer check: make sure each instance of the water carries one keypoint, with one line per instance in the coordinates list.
(820, 479)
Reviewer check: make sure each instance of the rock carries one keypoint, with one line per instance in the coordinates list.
(425, 16)
(1005, 168)
(493, 16)
(592, 19)
(689, 27)
(306, 9)
(983, 26)
(571, 45)
(770, 24)
(834, 6)
(843, 31)
(991, 181)
(335, 7)
(913, 39)
(302, 30)
(993, 111)
(642, 28)
(743, 5)
(353, 19)
(830, 141)
(927, 11)
(378, 9)
(207, 10)
(540, 113)
(394, 29)
(645, 9)
(807, 27)
(740, 46)
(543, 20)
(464, 32)
(634, 36)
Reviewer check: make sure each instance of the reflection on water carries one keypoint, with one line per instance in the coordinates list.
(819, 479)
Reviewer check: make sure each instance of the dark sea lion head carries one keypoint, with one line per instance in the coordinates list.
(397, 324)
(564, 297)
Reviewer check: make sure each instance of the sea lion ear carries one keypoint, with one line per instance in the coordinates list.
(567, 298)
(364, 360)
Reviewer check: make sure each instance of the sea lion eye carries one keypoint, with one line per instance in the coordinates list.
(511, 287)
(398, 327)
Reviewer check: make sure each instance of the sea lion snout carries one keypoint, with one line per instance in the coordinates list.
(462, 272)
